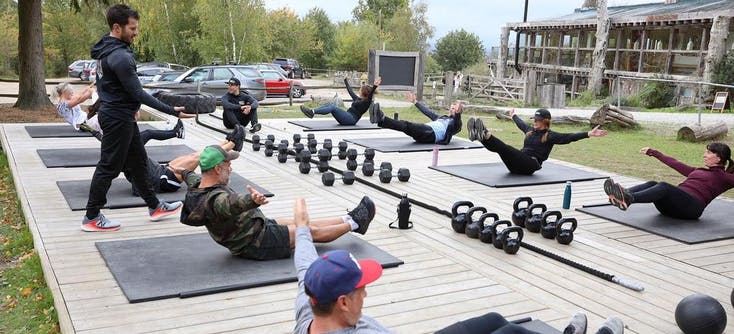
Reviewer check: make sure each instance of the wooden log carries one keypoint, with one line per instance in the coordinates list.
(570, 120)
(611, 115)
(487, 109)
(697, 133)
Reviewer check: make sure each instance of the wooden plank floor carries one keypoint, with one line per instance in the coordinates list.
(446, 277)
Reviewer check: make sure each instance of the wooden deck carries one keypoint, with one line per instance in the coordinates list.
(446, 276)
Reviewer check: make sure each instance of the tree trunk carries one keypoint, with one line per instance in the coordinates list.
(600, 51)
(32, 87)
(611, 115)
(696, 133)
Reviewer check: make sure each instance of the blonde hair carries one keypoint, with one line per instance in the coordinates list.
(59, 90)
(547, 123)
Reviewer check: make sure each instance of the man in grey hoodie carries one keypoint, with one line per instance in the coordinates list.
(120, 94)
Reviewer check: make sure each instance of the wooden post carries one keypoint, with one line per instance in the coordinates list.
(502, 63)
(448, 88)
(600, 51)
(290, 93)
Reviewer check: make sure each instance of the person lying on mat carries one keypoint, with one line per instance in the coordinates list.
(438, 131)
(494, 323)
(539, 141)
(235, 221)
(332, 289)
(690, 197)
(360, 104)
(69, 108)
(167, 178)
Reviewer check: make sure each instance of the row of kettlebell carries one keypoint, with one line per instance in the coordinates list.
(486, 231)
(538, 219)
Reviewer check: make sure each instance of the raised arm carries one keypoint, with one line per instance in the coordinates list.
(678, 166)
(524, 127)
(83, 95)
(304, 255)
(349, 90)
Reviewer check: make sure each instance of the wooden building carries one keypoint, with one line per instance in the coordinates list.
(680, 39)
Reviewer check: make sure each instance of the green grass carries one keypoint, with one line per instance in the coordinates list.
(618, 152)
(26, 304)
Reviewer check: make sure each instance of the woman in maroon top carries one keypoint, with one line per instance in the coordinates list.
(688, 199)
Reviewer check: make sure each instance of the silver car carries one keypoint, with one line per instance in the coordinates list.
(213, 79)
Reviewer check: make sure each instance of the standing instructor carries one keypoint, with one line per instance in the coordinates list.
(121, 94)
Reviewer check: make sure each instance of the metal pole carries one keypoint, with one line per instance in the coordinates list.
(700, 101)
(619, 92)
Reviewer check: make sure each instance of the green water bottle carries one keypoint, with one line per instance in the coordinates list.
(567, 196)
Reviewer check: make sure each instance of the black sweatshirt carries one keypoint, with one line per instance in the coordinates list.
(534, 146)
(118, 87)
(359, 105)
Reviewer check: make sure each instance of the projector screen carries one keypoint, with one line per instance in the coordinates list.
(400, 71)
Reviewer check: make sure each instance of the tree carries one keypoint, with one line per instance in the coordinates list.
(370, 10)
(320, 33)
(31, 86)
(458, 49)
(284, 33)
(408, 29)
(231, 30)
(9, 40)
(353, 41)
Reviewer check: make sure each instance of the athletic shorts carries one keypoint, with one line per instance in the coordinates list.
(275, 243)
(168, 182)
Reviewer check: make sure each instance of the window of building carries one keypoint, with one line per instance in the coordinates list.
(685, 64)
(629, 61)
(631, 39)
(609, 60)
(551, 56)
(658, 39)
(688, 39)
(568, 57)
(655, 62)
(588, 39)
(566, 39)
(552, 39)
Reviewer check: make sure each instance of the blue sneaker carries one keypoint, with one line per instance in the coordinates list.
(164, 210)
(99, 224)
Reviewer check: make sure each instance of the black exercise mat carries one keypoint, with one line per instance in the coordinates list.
(65, 130)
(89, 156)
(715, 223)
(120, 194)
(407, 144)
(496, 174)
(332, 125)
(193, 265)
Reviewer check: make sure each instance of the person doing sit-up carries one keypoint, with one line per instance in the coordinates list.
(687, 200)
(235, 221)
(439, 130)
(539, 141)
(360, 104)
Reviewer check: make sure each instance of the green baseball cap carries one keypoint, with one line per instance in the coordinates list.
(214, 155)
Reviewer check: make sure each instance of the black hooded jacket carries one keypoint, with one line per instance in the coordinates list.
(118, 87)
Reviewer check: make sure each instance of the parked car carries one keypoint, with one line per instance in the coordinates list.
(76, 68)
(173, 67)
(269, 66)
(146, 74)
(89, 73)
(166, 76)
(277, 84)
(213, 80)
(292, 67)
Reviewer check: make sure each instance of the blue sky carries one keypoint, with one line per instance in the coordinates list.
(481, 17)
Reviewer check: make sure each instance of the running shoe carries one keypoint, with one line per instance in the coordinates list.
(99, 224)
(306, 111)
(363, 214)
(164, 210)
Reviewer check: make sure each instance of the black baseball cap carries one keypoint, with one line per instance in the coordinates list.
(233, 81)
(542, 114)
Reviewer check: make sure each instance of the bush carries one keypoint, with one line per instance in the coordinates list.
(657, 95)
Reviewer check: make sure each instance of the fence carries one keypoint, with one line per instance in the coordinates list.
(444, 88)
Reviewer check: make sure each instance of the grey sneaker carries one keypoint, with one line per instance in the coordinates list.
(99, 224)
(255, 128)
(164, 210)
(612, 325)
(479, 130)
(470, 129)
(363, 214)
(620, 197)
(376, 114)
(577, 324)
(306, 111)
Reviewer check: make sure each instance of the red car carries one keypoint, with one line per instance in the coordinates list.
(277, 84)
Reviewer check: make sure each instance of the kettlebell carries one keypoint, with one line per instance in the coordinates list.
(496, 240)
(533, 220)
(511, 245)
(485, 235)
(518, 213)
(473, 226)
(548, 226)
(564, 235)
(458, 220)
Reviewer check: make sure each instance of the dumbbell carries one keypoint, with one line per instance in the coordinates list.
(283, 153)
(326, 145)
(328, 178)
(269, 148)
(297, 137)
(342, 154)
(255, 143)
(369, 154)
(304, 166)
(386, 175)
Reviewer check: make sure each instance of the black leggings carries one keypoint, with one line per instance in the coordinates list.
(670, 200)
(149, 134)
(490, 323)
(121, 150)
(234, 117)
(515, 160)
(421, 133)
